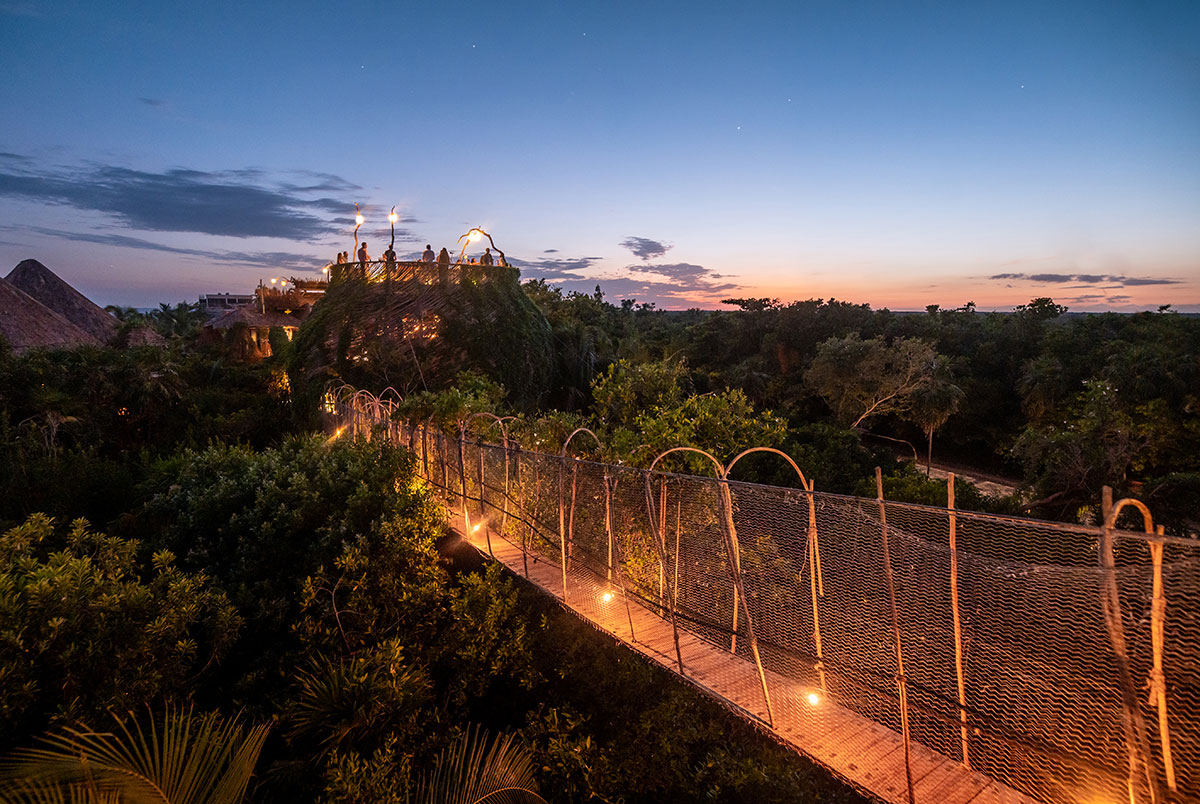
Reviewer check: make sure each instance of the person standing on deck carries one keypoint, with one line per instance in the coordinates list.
(443, 263)
(363, 259)
(428, 256)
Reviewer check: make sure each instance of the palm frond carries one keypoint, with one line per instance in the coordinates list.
(476, 770)
(187, 758)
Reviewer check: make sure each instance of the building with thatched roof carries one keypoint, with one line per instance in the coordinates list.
(52, 292)
(28, 324)
(248, 330)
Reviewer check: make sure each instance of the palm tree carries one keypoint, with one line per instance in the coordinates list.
(475, 770)
(181, 757)
(932, 406)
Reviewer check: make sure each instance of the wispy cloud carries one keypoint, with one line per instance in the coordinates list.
(552, 269)
(283, 260)
(1088, 279)
(645, 248)
(153, 102)
(235, 203)
(670, 285)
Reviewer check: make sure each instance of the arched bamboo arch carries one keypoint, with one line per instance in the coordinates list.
(1137, 742)
(816, 577)
(734, 551)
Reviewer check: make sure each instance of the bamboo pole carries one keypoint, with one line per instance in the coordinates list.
(487, 530)
(1136, 745)
(740, 590)
(462, 476)
(657, 528)
(900, 680)
(425, 451)
(522, 514)
(505, 502)
(562, 526)
(813, 574)
(816, 539)
(621, 582)
(954, 608)
(678, 515)
(571, 514)
(1158, 683)
(445, 465)
(610, 488)
(662, 530)
(608, 529)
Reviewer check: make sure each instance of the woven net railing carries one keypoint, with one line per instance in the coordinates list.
(1061, 660)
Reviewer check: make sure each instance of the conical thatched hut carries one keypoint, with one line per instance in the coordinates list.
(27, 324)
(44, 285)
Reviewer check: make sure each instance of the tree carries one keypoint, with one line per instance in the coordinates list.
(934, 403)
(864, 379)
(184, 758)
(754, 305)
(476, 769)
(84, 627)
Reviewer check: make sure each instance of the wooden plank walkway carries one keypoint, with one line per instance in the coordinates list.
(867, 754)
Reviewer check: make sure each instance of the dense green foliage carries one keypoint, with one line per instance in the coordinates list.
(307, 582)
(79, 428)
(374, 335)
(305, 586)
(1064, 403)
(90, 622)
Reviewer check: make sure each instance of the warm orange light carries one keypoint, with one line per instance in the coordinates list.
(393, 217)
(473, 236)
(274, 280)
(359, 219)
(475, 529)
(813, 698)
(325, 270)
(606, 597)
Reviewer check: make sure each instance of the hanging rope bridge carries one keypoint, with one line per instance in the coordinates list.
(923, 654)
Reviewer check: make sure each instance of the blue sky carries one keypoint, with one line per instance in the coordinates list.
(899, 154)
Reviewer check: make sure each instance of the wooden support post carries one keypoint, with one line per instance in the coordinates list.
(958, 641)
(1137, 746)
(662, 530)
(657, 526)
(462, 476)
(813, 575)
(445, 465)
(487, 529)
(562, 526)
(678, 517)
(614, 561)
(505, 500)
(571, 514)
(608, 528)
(523, 515)
(740, 590)
(901, 684)
(1158, 682)
(816, 539)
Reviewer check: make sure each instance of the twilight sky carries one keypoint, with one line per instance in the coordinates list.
(895, 153)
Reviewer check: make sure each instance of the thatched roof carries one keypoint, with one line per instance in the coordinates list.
(252, 318)
(27, 324)
(44, 285)
(142, 336)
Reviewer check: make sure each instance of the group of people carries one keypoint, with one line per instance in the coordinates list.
(442, 258)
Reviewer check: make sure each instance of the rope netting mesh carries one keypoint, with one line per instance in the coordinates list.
(1029, 648)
